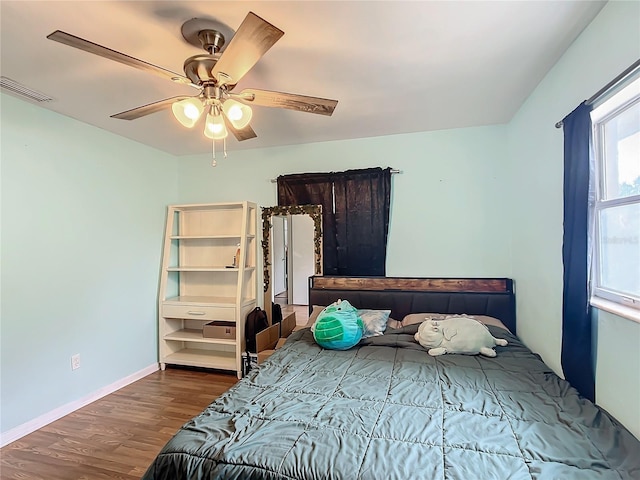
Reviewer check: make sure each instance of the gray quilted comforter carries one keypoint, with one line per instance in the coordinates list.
(387, 410)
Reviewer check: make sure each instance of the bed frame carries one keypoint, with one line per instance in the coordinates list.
(494, 297)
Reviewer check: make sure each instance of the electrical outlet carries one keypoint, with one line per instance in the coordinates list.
(75, 361)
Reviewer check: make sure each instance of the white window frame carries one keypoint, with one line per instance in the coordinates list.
(607, 299)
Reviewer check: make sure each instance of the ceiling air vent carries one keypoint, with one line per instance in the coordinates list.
(14, 87)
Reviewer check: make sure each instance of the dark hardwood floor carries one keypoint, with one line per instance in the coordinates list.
(117, 436)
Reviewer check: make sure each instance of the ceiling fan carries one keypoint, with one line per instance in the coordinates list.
(215, 74)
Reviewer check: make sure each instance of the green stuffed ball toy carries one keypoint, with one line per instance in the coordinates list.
(338, 327)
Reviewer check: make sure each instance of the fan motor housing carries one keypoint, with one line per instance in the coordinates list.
(199, 68)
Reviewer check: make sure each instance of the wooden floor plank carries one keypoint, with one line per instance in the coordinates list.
(117, 436)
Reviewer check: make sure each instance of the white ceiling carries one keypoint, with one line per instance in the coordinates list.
(394, 66)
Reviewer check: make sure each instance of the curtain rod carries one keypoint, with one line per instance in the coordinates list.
(604, 90)
(393, 170)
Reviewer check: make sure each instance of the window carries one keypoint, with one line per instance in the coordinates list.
(616, 212)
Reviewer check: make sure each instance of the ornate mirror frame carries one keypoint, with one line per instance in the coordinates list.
(315, 212)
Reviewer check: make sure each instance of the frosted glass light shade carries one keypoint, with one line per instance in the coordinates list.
(214, 127)
(188, 111)
(238, 113)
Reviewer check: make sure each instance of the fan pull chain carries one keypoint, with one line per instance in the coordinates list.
(224, 147)
(213, 153)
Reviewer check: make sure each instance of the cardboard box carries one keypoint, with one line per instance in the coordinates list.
(267, 338)
(266, 342)
(263, 355)
(218, 329)
(272, 338)
(287, 325)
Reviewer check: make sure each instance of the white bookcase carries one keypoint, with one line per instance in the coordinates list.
(200, 283)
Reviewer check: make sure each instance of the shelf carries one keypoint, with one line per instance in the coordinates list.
(193, 335)
(208, 237)
(208, 269)
(202, 358)
(200, 300)
(201, 237)
(201, 269)
(208, 206)
(198, 283)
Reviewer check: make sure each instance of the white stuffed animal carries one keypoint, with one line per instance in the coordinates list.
(457, 335)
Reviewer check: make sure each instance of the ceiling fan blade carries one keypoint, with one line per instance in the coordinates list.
(87, 46)
(148, 109)
(292, 101)
(246, 133)
(252, 40)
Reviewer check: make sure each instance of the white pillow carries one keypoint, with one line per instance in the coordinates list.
(375, 321)
(412, 318)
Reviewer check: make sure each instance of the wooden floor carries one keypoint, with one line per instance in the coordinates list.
(117, 436)
(301, 311)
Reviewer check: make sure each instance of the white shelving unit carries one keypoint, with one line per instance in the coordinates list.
(201, 283)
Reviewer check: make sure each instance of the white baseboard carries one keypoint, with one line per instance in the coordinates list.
(32, 425)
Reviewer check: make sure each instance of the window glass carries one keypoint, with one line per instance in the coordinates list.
(619, 253)
(616, 142)
(621, 135)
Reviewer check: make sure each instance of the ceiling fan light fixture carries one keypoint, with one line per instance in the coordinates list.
(188, 111)
(214, 126)
(215, 74)
(238, 113)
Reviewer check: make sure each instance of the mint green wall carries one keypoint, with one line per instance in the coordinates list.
(83, 213)
(450, 203)
(608, 46)
(82, 219)
(618, 369)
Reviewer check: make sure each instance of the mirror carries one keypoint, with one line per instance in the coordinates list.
(315, 212)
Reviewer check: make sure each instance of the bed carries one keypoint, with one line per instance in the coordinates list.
(385, 409)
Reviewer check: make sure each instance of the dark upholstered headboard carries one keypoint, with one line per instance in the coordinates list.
(474, 296)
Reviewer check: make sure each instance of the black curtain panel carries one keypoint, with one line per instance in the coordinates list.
(577, 358)
(355, 216)
(314, 189)
(362, 204)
